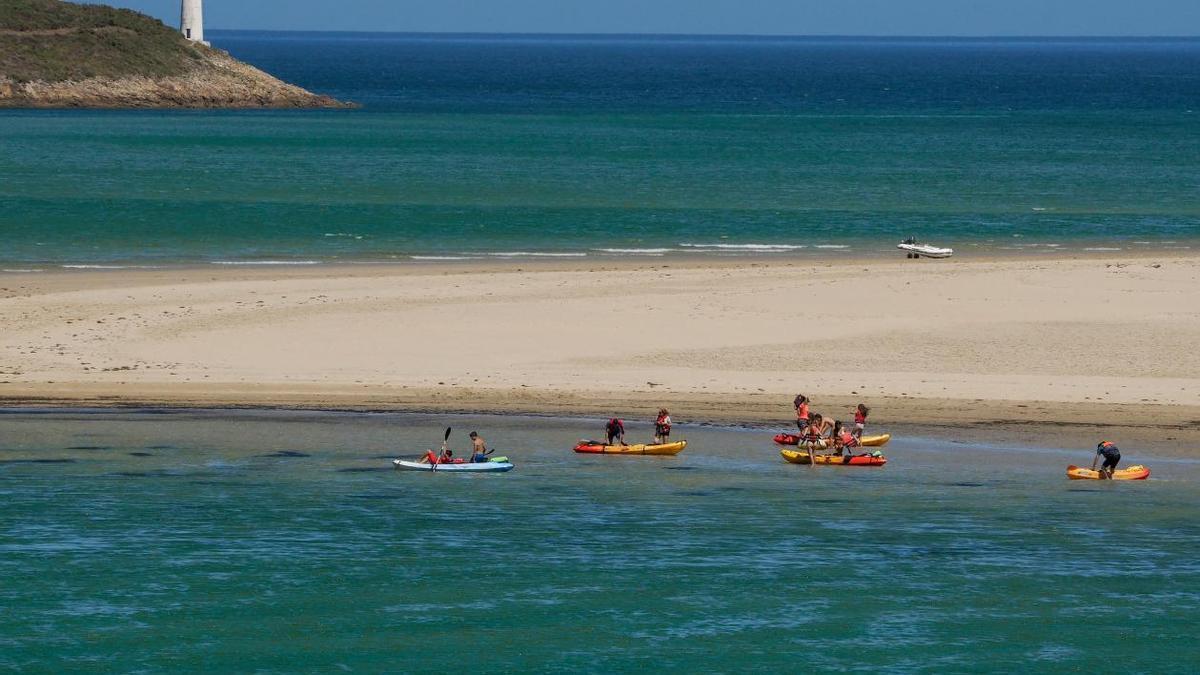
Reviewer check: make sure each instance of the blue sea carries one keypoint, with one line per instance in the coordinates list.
(597, 147)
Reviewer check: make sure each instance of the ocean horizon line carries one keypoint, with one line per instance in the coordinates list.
(713, 37)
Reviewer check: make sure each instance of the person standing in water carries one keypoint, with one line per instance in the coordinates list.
(662, 427)
(478, 448)
(1112, 456)
(615, 431)
(801, 404)
(860, 420)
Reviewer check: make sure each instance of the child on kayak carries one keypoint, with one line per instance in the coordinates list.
(1112, 457)
(843, 438)
(662, 427)
(801, 405)
(814, 433)
(615, 431)
(860, 419)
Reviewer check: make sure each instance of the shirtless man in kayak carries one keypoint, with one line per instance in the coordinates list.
(478, 448)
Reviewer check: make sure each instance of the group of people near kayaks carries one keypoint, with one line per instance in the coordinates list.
(814, 432)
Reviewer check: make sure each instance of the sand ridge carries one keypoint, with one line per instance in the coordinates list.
(745, 337)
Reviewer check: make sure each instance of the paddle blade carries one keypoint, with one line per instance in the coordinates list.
(447, 436)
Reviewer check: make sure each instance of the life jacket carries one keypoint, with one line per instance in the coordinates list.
(615, 426)
(661, 423)
(849, 440)
(859, 417)
(802, 411)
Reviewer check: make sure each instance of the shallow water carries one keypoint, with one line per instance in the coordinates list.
(248, 541)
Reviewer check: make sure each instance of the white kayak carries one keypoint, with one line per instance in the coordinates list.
(466, 467)
(918, 250)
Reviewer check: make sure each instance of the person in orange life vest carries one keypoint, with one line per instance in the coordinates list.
(801, 405)
(815, 432)
(860, 419)
(843, 438)
(662, 427)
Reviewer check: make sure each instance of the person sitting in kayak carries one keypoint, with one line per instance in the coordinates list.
(615, 430)
(860, 419)
(843, 439)
(662, 427)
(801, 404)
(1112, 457)
(430, 457)
(447, 456)
(478, 448)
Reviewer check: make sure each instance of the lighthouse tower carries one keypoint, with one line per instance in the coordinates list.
(191, 20)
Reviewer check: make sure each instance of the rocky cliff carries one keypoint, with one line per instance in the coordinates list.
(57, 54)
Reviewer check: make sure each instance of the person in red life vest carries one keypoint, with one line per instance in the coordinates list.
(860, 419)
(447, 456)
(843, 438)
(662, 427)
(814, 434)
(801, 404)
(615, 431)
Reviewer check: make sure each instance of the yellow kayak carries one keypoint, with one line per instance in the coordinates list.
(640, 449)
(801, 457)
(1135, 472)
(865, 441)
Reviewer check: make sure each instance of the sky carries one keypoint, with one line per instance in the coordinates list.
(742, 17)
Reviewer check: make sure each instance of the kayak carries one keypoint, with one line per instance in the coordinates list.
(798, 457)
(865, 441)
(915, 250)
(1135, 472)
(464, 467)
(597, 448)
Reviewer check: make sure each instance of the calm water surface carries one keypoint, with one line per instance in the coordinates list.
(284, 541)
(600, 147)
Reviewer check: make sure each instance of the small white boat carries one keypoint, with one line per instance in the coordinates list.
(915, 250)
(466, 467)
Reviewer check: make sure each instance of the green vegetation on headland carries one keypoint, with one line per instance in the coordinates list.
(62, 54)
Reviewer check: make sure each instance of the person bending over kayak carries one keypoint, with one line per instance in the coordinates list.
(662, 427)
(615, 431)
(860, 419)
(814, 433)
(1111, 455)
(801, 404)
(843, 439)
(478, 448)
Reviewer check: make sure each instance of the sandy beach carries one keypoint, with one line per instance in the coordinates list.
(1051, 351)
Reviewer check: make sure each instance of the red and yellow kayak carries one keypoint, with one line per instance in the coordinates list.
(801, 457)
(596, 448)
(1135, 472)
(866, 441)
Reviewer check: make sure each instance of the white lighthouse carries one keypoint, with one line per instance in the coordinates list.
(191, 20)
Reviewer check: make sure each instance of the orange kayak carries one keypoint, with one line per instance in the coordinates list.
(1135, 472)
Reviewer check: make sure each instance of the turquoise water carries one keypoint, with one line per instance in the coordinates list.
(474, 147)
(283, 541)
